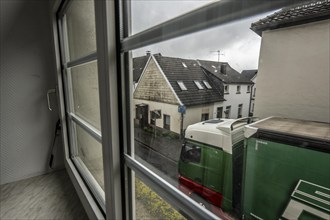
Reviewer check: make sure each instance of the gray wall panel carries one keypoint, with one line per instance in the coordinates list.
(26, 73)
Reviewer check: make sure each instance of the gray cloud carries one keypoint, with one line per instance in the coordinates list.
(239, 44)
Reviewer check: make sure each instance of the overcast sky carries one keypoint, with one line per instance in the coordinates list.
(239, 45)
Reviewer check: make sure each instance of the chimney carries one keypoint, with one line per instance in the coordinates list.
(148, 52)
(223, 69)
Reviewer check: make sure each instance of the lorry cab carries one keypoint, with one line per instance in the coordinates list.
(211, 162)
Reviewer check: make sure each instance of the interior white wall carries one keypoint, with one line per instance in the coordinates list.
(27, 72)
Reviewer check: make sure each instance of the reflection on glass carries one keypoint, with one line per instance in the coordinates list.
(149, 205)
(80, 18)
(90, 152)
(146, 14)
(85, 90)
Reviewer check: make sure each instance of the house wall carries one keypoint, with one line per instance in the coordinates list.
(152, 86)
(233, 99)
(194, 114)
(27, 72)
(168, 109)
(293, 73)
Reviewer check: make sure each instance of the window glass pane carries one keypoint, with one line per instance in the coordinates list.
(90, 152)
(147, 13)
(85, 91)
(149, 205)
(183, 78)
(80, 19)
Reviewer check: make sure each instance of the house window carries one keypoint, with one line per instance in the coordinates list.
(226, 89)
(248, 89)
(198, 84)
(227, 112)
(205, 116)
(254, 92)
(207, 84)
(184, 65)
(252, 108)
(181, 85)
(167, 122)
(239, 112)
(238, 91)
(219, 112)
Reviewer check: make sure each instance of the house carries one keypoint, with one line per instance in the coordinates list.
(202, 89)
(252, 75)
(294, 71)
(237, 89)
(177, 90)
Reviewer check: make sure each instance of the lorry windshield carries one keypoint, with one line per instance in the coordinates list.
(190, 153)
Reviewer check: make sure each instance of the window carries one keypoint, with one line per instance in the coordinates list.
(198, 84)
(227, 112)
(248, 89)
(219, 112)
(238, 91)
(181, 85)
(239, 112)
(226, 89)
(191, 153)
(167, 122)
(142, 152)
(254, 92)
(207, 84)
(205, 116)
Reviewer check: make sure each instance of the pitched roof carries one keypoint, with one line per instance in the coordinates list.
(226, 74)
(186, 70)
(249, 74)
(138, 65)
(306, 12)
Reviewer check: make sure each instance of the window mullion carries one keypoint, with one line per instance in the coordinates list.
(209, 16)
(108, 91)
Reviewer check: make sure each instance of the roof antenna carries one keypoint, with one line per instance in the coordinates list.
(219, 54)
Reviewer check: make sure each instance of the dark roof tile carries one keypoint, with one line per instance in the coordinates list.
(228, 75)
(306, 12)
(186, 70)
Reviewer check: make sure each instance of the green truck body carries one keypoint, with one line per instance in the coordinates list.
(279, 169)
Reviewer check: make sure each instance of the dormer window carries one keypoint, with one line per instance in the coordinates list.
(198, 84)
(184, 65)
(181, 85)
(226, 89)
(207, 84)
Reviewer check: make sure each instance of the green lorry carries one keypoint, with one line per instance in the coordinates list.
(276, 168)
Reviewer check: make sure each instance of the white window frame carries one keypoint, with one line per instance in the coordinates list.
(226, 89)
(114, 50)
(238, 89)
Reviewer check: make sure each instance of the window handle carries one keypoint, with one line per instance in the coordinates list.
(48, 99)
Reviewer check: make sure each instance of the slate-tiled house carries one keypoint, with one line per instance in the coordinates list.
(293, 72)
(252, 76)
(236, 86)
(167, 84)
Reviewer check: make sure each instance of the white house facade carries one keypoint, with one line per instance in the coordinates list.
(294, 74)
